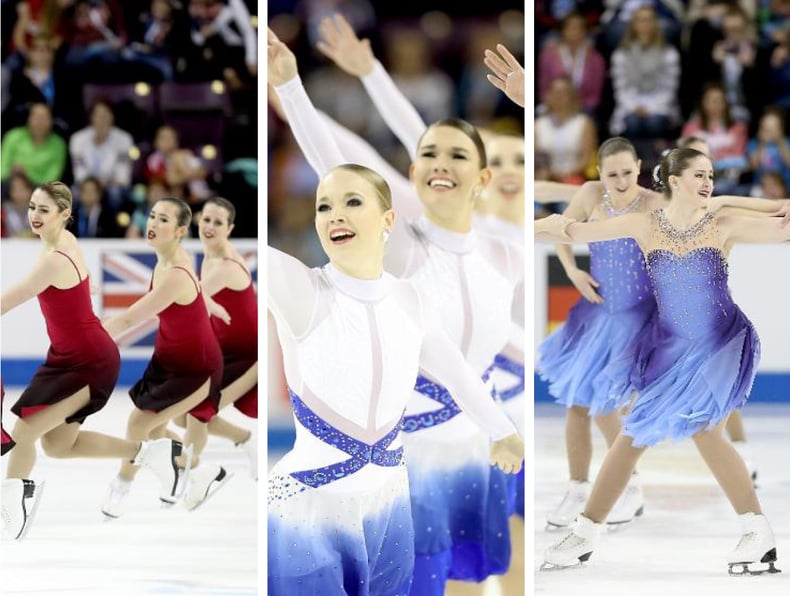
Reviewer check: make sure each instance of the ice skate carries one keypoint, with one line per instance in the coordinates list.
(756, 548)
(115, 501)
(19, 505)
(575, 548)
(629, 506)
(159, 456)
(250, 447)
(204, 481)
(570, 507)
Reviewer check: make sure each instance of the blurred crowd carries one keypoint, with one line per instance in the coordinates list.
(128, 101)
(434, 53)
(659, 72)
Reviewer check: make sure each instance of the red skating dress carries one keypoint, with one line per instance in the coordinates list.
(239, 340)
(186, 354)
(81, 354)
(8, 442)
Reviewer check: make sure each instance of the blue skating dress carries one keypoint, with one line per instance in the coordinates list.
(698, 363)
(577, 359)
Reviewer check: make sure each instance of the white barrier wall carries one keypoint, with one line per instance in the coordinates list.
(120, 271)
(760, 285)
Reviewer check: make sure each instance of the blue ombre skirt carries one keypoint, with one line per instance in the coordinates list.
(575, 359)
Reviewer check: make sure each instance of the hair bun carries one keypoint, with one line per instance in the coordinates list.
(657, 183)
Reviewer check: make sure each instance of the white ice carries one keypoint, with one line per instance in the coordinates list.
(679, 546)
(71, 551)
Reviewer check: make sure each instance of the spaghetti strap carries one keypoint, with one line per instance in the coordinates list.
(197, 287)
(239, 264)
(72, 262)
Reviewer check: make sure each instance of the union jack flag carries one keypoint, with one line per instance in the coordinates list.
(126, 277)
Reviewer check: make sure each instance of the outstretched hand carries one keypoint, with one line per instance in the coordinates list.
(508, 74)
(281, 61)
(508, 454)
(341, 45)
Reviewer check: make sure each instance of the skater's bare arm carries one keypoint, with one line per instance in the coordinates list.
(43, 275)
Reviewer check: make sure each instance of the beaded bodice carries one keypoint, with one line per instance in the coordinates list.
(618, 265)
(688, 269)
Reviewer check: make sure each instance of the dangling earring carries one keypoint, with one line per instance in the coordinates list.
(385, 235)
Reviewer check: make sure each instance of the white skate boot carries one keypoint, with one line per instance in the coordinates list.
(159, 456)
(570, 507)
(20, 501)
(756, 546)
(250, 447)
(115, 501)
(204, 481)
(745, 451)
(629, 506)
(575, 548)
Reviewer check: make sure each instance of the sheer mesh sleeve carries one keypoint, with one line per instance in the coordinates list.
(292, 291)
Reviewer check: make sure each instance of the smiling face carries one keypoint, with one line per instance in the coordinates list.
(44, 215)
(213, 226)
(619, 173)
(506, 162)
(162, 226)
(350, 220)
(447, 174)
(695, 183)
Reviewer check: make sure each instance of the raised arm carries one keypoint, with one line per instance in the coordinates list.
(43, 275)
(507, 74)
(739, 229)
(341, 45)
(174, 284)
(291, 291)
(747, 206)
(558, 228)
(547, 191)
(310, 131)
(442, 360)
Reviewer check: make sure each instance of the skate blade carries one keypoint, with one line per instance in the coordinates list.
(39, 488)
(614, 526)
(546, 566)
(743, 570)
(215, 486)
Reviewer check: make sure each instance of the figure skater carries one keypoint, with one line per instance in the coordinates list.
(185, 371)
(80, 371)
(697, 364)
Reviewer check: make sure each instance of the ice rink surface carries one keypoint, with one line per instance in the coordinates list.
(678, 547)
(71, 551)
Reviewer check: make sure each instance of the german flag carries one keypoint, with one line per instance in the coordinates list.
(562, 293)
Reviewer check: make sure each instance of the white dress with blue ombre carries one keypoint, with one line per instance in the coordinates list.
(466, 284)
(339, 513)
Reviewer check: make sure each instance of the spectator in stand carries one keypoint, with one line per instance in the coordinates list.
(779, 68)
(770, 150)
(773, 187)
(33, 83)
(15, 207)
(34, 149)
(101, 151)
(735, 56)
(180, 170)
(159, 40)
(94, 33)
(573, 55)
(619, 15)
(645, 72)
(224, 28)
(565, 134)
(92, 216)
(726, 138)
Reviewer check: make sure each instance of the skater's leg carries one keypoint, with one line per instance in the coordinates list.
(616, 470)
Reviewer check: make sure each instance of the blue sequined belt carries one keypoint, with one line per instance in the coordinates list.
(438, 393)
(361, 453)
(502, 362)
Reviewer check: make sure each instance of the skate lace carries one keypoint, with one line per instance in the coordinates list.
(570, 542)
(746, 540)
